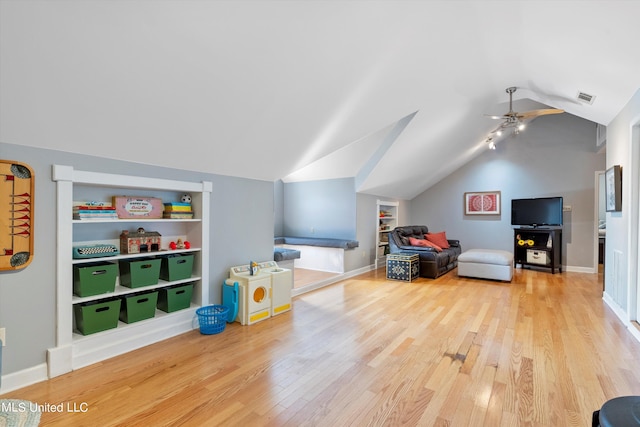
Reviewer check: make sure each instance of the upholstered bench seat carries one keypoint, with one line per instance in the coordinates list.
(317, 241)
(284, 254)
(486, 264)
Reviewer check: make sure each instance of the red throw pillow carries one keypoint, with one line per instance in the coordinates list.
(439, 239)
(424, 243)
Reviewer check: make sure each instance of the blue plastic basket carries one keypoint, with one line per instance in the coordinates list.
(212, 319)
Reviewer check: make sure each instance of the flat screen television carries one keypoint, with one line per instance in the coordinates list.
(539, 212)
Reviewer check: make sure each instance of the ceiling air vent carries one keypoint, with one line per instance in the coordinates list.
(585, 97)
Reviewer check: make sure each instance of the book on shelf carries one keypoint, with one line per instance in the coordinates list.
(94, 210)
(177, 207)
(104, 215)
(90, 217)
(177, 215)
(93, 205)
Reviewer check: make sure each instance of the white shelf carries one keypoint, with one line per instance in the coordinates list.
(159, 315)
(123, 290)
(73, 350)
(136, 221)
(131, 256)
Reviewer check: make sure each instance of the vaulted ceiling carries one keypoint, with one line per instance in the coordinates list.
(393, 93)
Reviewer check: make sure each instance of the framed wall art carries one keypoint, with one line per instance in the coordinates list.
(16, 221)
(613, 188)
(482, 203)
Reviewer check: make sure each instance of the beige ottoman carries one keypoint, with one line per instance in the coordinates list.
(486, 264)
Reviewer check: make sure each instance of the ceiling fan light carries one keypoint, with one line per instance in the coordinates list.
(521, 126)
(499, 133)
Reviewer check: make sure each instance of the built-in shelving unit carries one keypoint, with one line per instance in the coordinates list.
(74, 350)
(386, 220)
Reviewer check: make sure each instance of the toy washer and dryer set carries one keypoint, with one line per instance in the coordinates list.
(257, 291)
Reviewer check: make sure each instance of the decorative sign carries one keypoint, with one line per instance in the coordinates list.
(136, 207)
(16, 220)
(482, 203)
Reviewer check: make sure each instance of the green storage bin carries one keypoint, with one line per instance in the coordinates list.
(176, 267)
(97, 316)
(94, 278)
(140, 272)
(175, 298)
(140, 306)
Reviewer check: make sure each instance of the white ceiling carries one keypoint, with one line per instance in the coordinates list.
(263, 89)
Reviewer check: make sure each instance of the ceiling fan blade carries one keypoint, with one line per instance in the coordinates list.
(535, 113)
(494, 117)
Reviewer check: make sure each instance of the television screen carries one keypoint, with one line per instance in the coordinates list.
(544, 211)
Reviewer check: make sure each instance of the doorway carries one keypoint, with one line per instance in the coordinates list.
(600, 232)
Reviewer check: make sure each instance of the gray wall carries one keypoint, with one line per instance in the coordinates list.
(366, 229)
(554, 156)
(325, 208)
(278, 208)
(241, 229)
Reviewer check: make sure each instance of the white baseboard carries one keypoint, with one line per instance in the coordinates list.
(575, 269)
(60, 360)
(331, 280)
(24, 378)
(571, 268)
(621, 315)
(615, 307)
(634, 331)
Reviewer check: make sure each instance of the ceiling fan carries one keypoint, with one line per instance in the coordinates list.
(515, 120)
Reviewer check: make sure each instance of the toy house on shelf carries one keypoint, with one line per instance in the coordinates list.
(139, 241)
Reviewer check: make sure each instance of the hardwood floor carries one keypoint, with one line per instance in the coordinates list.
(543, 350)
(304, 277)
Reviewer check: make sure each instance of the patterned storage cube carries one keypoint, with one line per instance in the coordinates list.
(403, 266)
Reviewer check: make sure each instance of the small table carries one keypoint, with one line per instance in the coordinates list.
(403, 266)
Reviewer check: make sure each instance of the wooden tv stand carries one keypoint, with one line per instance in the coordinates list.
(538, 247)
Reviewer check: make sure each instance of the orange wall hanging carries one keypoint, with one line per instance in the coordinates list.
(16, 218)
